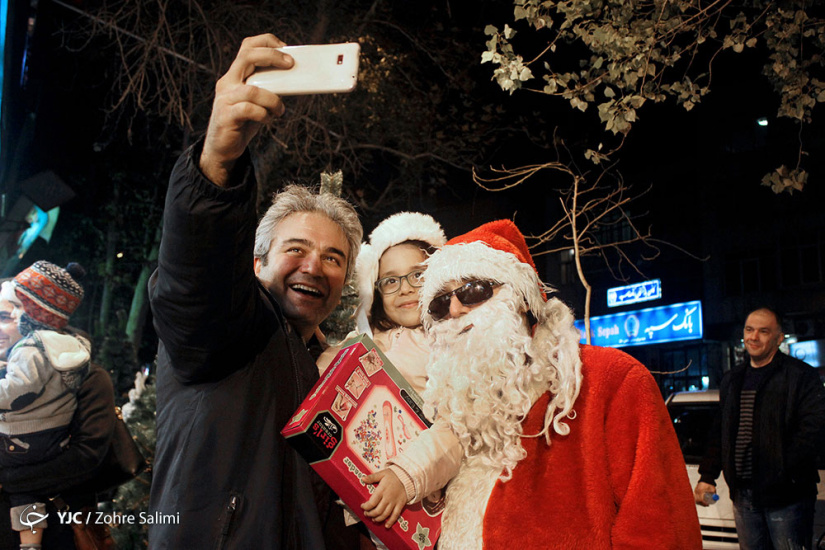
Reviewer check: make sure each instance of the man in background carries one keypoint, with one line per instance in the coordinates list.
(770, 427)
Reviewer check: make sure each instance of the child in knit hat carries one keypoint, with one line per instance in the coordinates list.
(37, 392)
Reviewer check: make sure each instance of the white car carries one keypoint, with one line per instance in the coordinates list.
(692, 414)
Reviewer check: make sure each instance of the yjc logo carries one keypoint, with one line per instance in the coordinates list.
(31, 517)
(67, 518)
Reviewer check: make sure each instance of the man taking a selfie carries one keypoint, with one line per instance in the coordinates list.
(233, 360)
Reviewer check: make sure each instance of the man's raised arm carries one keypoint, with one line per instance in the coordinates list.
(204, 292)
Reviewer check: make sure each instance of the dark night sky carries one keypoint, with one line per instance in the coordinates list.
(679, 153)
(704, 166)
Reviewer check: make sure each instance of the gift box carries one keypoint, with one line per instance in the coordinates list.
(359, 415)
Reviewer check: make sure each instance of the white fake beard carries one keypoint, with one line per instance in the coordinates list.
(462, 522)
(483, 382)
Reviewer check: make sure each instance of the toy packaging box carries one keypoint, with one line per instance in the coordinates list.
(359, 415)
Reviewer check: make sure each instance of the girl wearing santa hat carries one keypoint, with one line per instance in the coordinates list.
(388, 273)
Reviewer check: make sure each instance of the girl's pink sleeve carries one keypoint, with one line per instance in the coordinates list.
(430, 461)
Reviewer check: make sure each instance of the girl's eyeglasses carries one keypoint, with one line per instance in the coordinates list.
(392, 284)
(469, 294)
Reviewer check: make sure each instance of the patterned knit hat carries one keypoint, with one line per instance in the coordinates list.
(404, 226)
(49, 293)
(495, 251)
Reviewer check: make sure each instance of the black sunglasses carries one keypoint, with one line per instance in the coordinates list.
(469, 294)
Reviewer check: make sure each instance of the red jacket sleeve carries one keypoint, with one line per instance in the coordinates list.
(647, 469)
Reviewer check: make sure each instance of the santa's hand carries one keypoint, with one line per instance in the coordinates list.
(388, 500)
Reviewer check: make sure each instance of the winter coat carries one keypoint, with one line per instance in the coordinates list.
(788, 431)
(91, 429)
(44, 371)
(231, 371)
(71, 474)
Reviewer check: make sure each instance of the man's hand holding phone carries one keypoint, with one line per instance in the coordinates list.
(273, 69)
(238, 110)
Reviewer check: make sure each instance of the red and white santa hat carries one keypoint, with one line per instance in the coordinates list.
(495, 251)
(404, 226)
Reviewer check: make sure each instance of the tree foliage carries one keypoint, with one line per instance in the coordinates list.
(132, 498)
(615, 56)
(141, 77)
(413, 123)
(597, 221)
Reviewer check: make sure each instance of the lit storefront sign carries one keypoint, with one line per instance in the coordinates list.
(633, 294)
(811, 351)
(655, 325)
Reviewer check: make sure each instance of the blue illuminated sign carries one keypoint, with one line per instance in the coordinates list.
(4, 14)
(812, 352)
(655, 325)
(633, 294)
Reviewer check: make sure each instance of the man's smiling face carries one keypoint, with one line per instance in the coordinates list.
(305, 268)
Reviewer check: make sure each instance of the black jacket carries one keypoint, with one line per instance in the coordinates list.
(788, 431)
(231, 372)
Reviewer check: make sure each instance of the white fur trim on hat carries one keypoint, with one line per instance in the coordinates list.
(404, 226)
(476, 260)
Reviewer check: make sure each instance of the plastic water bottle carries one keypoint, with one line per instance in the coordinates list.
(710, 498)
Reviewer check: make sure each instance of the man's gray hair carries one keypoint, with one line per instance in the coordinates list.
(297, 198)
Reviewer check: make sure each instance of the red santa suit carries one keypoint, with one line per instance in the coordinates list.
(618, 480)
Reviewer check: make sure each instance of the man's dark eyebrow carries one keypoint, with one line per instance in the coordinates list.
(333, 250)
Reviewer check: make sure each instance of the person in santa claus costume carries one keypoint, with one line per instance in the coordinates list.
(564, 446)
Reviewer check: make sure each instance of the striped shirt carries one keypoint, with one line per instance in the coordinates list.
(743, 451)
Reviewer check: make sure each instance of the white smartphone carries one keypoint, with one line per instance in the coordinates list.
(318, 69)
